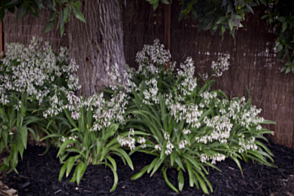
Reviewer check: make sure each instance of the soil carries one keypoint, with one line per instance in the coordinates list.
(38, 175)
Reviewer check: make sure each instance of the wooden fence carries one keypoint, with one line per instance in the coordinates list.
(1, 39)
(23, 30)
(253, 65)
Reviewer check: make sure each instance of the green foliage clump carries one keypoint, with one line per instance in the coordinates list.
(36, 93)
(170, 114)
(31, 81)
(187, 125)
(95, 122)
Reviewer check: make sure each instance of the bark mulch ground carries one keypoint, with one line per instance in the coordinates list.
(38, 175)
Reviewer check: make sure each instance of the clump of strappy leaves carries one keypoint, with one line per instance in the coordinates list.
(32, 81)
(187, 125)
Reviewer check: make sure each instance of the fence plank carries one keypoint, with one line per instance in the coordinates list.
(167, 26)
(1, 38)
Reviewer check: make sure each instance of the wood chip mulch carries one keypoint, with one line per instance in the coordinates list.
(38, 175)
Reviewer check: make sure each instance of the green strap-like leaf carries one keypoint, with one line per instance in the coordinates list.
(64, 146)
(202, 184)
(156, 167)
(125, 155)
(264, 147)
(191, 175)
(80, 170)
(140, 173)
(24, 135)
(112, 161)
(69, 164)
(152, 164)
(167, 181)
(181, 180)
(71, 120)
(238, 163)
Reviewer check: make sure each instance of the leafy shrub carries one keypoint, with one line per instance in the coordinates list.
(14, 130)
(187, 125)
(32, 81)
(95, 122)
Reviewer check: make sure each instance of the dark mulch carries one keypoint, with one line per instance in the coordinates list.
(38, 175)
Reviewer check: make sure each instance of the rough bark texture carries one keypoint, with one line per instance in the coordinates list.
(97, 44)
(23, 30)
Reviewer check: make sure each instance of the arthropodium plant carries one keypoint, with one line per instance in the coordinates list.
(95, 123)
(188, 125)
(13, 131)
(32, 81)
(38, 71)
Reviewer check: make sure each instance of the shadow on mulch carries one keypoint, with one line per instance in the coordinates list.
(38, 175)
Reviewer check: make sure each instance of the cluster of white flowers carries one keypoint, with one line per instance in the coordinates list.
(245, 117)
(153, 55)
(114, 77)
(63, 139)
(142, 141)
(216, 157)
(246, 144)
(221, 128)
(186, 131)
(169, 148)
(169, 145)
(182, 144)
(105, 112)
(222, 124)
(190, 113)
(205, 76)
(208, 97)
(157, 147)
(151, 92)
(187, 72)
(35, 70)
(17, 106)
(128, 141)
(221, 65)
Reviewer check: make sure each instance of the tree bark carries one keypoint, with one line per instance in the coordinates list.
(97, 44)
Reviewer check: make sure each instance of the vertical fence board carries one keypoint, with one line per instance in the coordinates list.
(167, 25)
(1, 38)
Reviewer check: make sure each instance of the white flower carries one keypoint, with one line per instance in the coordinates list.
(166, 136)
(157, 147)
(186, 131)
(141, 140)
(131, 132)
(258, 127)
(126, 141)
(182, 144)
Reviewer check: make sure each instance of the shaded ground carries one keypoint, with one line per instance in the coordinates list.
(38, 175)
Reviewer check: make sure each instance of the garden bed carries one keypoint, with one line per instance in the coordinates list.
(38, 175)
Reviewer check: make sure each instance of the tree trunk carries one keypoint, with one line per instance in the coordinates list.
(97, 44)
